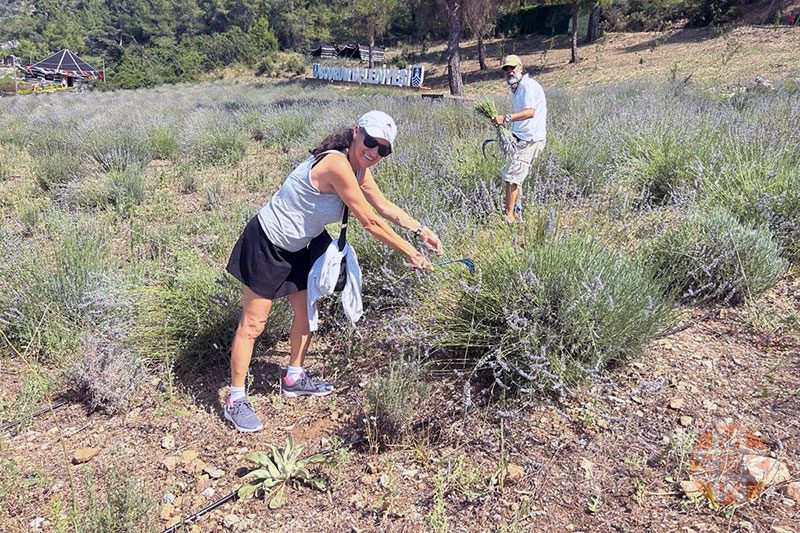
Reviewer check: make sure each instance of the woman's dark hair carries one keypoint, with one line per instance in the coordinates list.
(337, 141)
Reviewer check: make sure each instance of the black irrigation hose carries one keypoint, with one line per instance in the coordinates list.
(710, 314)
(233, 494)
(40, 412)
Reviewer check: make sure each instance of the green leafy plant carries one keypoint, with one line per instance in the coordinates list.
(277, 470)
(594, 504)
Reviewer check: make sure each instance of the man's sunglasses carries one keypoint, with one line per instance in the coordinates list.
(372, 142)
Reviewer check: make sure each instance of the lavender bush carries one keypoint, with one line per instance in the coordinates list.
(543, 317)
(48, 279)
(711, 257)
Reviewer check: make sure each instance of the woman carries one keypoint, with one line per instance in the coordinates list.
(271, 257)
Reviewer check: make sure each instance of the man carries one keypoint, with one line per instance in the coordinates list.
(528, 117)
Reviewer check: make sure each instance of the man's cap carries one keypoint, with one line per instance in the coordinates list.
(511, 60)
(379, 124)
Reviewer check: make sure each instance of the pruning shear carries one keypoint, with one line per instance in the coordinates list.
(483, 146)
(467, 261)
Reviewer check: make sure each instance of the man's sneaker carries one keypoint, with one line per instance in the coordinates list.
(242, 416)
(306, 386)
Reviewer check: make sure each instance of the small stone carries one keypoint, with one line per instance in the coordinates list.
(685, 421)
(691, 489)
(588, 468)
(788, 502)
(792, 490)
(602, 423)
(169, 463)
(676, 403)
(188, 456)
(409, 473)
(513, 473)
(37, 523)
(168, 442)
(708, 404)
(198, 465)
(209, 492)
(764, 470)
(166, 511)
(371, 468)
(230, 520)
(84, 455)
(708, 364)
(168, 497)
(214, 473)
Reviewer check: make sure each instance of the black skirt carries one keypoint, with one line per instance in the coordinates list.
(269, 271)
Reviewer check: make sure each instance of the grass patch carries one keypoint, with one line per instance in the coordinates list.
(128, 504)
(391, 400)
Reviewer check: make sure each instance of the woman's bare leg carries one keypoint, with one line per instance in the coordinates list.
(299, 335)
(255, 311)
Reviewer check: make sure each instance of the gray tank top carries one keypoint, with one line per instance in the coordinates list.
(298, 212)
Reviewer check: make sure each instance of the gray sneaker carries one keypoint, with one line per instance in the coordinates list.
(306, 386)
(242, 416)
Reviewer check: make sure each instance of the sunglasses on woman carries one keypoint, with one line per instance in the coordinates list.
(372, 142)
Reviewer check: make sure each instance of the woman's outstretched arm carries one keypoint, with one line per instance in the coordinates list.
(392, 212)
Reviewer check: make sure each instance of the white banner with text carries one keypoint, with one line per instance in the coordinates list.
(405, 77)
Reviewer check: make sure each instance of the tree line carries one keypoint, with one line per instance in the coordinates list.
(145, 42)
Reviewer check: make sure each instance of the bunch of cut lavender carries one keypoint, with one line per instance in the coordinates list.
(488, 108)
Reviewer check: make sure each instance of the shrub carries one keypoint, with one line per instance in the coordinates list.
(53, 275)
(267, 66)
(760, 190)
(658, 164)
(214, 138)
(163, 142)
(53, 167)
(191, 319)
(294, 63)
(392, 398)
(126, 188)
(9, 161)
(108, 367)
(543, 317)
(128, 506)
(117, 147)
(711, 257)
(281, 130)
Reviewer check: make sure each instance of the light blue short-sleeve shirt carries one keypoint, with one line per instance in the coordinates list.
(529, 94)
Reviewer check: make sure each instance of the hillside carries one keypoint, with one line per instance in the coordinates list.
(707, 59)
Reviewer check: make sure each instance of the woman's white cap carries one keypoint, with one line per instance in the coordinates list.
(379, 124)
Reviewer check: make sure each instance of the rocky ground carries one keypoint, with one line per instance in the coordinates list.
(610, 458)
